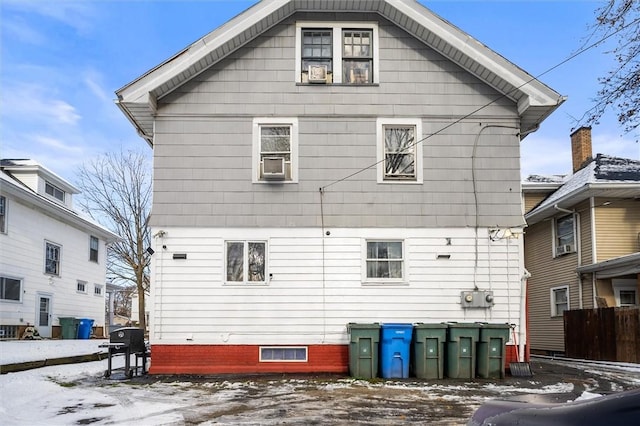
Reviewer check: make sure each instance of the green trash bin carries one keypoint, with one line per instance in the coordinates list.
(491, 350)
(69, 327)
(363, 350)
(461, 350)
(428, 350)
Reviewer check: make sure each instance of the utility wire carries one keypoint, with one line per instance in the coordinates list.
(505, 95)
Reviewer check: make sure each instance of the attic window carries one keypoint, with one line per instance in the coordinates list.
(54, 191)
(337, 53)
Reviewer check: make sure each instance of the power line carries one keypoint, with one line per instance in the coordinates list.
(505, 95)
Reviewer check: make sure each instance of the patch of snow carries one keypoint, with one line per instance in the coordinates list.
(14, 351)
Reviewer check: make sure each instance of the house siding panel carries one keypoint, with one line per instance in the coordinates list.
(204, 132)
(309, 300)
(617, 228)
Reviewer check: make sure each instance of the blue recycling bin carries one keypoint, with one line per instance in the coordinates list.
(84, 328)
(394, 351)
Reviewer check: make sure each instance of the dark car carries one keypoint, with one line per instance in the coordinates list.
(621, 408)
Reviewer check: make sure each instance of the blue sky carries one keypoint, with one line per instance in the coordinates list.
(62, 60)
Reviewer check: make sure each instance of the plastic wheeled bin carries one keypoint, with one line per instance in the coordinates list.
(363, 350)
(394, 350)
(69, 327)
(461, 350)
(491, 350)
(84, 328)
(428, 350)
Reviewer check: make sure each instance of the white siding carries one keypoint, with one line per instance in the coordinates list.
(310, 300)
(22, 253)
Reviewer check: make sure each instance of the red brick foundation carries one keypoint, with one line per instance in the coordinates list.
(243, 359)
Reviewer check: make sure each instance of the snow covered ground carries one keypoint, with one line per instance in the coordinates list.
(79, 394)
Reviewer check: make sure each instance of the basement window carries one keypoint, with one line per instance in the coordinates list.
(283, 354)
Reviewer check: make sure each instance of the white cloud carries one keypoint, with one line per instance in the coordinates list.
(75, 14)
(21, 31)
(57, 144)
(31, 100)
(94, 82)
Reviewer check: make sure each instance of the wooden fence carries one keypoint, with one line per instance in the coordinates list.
(603, 334)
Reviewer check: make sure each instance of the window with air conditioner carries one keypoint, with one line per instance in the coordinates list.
(337, 53)
(564, 235)
(275, 151)
(625, 292)
(399, 150)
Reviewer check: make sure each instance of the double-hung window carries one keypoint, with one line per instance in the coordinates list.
(93, 248)
(81, 286)
(52, 258)
(275, 151)
(399, 150)
(10, 289)
(559, 300)
(337, 52)
(245, 262)
(3, 214)
(565, 235)
(54, 191)
(97, 290)
(384, 261)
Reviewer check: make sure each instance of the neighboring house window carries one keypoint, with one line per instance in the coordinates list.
(246, 261)
(384, 261)
(93, 249)
(626, 292)
(337, 52)
(275, 157)
(3, 214)
(565, 235)
(399, 150)
(54, 191)
(10, 289)
(81, 287)
(52, 259)
(97, 290)
(559, 300)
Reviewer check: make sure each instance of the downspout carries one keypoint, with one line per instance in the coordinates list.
(594, 251)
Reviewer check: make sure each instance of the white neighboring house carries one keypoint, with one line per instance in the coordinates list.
(52, 260)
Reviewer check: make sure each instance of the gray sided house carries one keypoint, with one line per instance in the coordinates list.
(318, 163)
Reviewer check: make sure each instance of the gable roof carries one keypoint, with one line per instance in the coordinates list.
(612, 177)
(535, 100)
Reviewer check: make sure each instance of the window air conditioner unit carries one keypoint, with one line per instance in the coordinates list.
(273, 168)
(564, 249)
(317, 74)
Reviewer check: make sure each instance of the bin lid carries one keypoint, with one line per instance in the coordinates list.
(430, 325)
(362, 325)
(498, 326)
(464, 325)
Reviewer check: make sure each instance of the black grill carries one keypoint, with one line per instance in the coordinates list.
(127, 341)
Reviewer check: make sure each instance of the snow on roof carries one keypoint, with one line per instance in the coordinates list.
(601, 171)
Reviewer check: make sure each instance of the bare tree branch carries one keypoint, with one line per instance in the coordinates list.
(116, 192)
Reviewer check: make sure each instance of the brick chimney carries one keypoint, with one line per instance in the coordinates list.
(581, 150)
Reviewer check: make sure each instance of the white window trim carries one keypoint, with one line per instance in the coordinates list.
(98, 286)
(554, 312)
(337, 28)
(554, 233)
(384, 281)
(245, 282)
(306, 353)
(21, 289)
(97, 249)
(380, 123)
(85, 286)
(59, 274)
(622, 285)
(52, 196)
(255, 158)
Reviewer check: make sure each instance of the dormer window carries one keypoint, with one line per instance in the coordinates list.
(54, 191)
